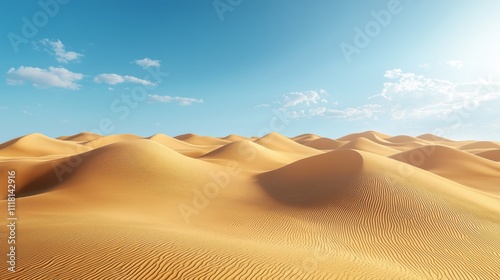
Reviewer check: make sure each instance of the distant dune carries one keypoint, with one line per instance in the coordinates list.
(364, 206)
(432, 137)
(325, 144)
(363, 144)
(38, 145)
(81, 137)
(493, 155)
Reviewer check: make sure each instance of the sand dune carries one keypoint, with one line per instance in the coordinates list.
(324, 144)
(250, 156)
(432, 137)
(180, 146)
(400, 143)
(277, 142)
(37, 145)
(201, 140)
(305, 138)
(171, 142)
(366, 145)
(480, 145)
(459, 166)
(315, 180)
(40, 175)
(493, 155)
(405, 139)
(234, 137)
(372, 135)
(110, 139)
(365, 206)
(81, 137)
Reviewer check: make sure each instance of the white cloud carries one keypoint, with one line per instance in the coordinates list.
(58, 50)
(311, 104)
(455, 64)
(415, 96)
(306, 98)
(405, 96)
(184, 101)
(356, 113)
(265, 105)
(113, 79)
(147, 62)
(44, 78)
(368, 111)
(412, 84)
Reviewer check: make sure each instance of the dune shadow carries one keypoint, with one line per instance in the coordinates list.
(314, 181)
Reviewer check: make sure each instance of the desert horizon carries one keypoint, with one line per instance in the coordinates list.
(122, 206)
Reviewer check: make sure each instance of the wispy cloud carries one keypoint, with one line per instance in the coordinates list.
(59, 51)
(44, 78)
(416, 96)
(306, 98)
(113, 79)
(403, 84)
(147, 62)
(404, 97)
(350, 113)
(184, 101)
(315, 104)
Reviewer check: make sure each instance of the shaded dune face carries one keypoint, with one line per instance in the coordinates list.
(41, 179)
(315, 180)
(493, 155)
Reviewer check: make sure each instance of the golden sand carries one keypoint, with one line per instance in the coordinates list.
(364, 206)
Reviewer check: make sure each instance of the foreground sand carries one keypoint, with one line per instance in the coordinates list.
(366, 205)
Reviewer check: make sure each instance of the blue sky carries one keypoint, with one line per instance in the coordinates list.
(250, 67)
